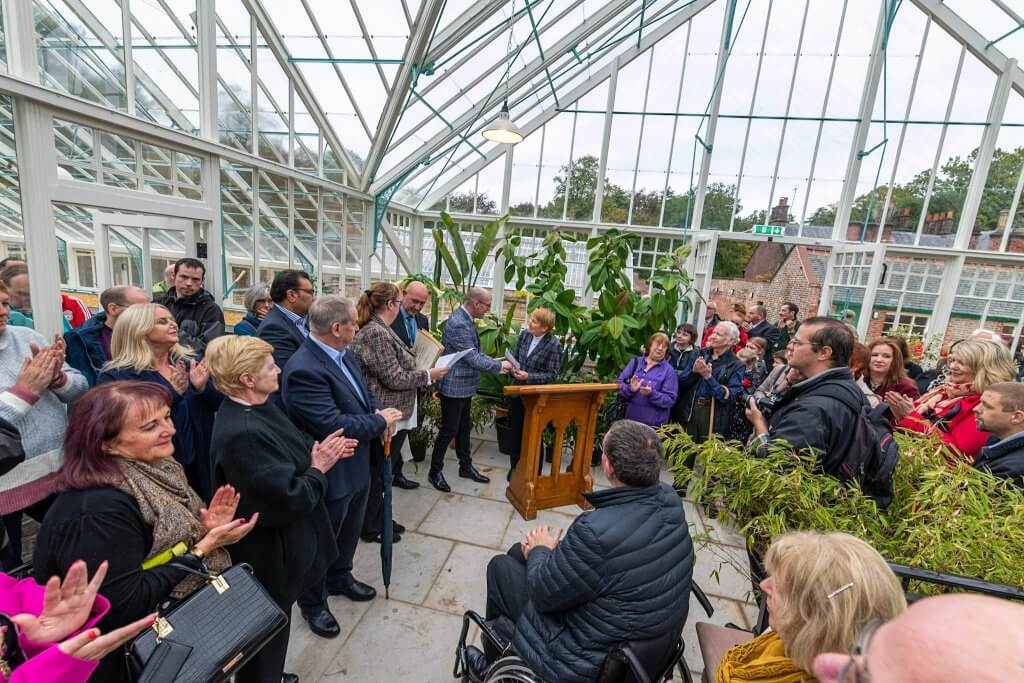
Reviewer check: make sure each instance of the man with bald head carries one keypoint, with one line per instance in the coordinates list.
(945, 639)
(89, 344)
(407, 326)
(456, 389)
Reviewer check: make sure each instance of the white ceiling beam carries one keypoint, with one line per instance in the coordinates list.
(280, 50)
(976, 44)
(454, 33)
(598, 77)
(415, 48)
(517, 80)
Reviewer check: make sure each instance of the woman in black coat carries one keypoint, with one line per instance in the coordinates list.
(126, 502)
(539, 355)
(257, 450)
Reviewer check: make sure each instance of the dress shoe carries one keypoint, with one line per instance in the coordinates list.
(472, 473)
(379, 538)
(399, 528)
(289, 678)
(476, 662)
(354, 590)
(403, 482)
(322, 623)
(438, 481)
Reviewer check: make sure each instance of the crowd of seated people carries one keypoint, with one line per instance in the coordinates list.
(215, 448)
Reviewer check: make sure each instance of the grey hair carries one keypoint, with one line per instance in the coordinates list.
(330, 309)
(730, 327)
(476, 294)
(260, 290)
(634, 452)
(762, 312)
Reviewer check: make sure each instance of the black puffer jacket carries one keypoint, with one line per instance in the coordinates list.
(1004, 458)
(200, 320)
(621, 573)
(809, 416)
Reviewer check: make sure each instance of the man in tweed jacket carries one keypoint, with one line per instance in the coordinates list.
(456, 389)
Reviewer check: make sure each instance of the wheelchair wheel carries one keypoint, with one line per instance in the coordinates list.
(511, 669)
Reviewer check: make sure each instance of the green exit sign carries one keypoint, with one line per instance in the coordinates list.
(768, 230)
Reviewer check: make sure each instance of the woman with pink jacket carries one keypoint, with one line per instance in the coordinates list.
(47, 633)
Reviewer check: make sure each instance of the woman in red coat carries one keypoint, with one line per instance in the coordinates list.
(948, 409)
(886, 371)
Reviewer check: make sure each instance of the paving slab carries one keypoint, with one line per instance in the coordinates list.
(416, 562)
(309, 655)
(461, 584)
(468, 519)
(411, 507)
(400, 642)
(722, 570)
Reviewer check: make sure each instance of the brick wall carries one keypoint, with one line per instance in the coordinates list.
(791, 283)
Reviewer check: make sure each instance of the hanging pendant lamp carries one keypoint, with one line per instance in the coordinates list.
(501, 129)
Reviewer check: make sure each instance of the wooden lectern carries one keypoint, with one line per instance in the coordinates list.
(557, 405)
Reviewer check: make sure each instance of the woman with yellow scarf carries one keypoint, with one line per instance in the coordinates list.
(821, 591)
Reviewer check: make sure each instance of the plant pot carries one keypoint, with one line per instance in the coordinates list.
(506, 439)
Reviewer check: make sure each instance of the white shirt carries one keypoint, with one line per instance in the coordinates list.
(533, 344)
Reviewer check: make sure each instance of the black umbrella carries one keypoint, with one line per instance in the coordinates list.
(388, 532)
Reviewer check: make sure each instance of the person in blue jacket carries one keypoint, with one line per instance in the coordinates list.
(145, 348)
(716, 377)
(88, 345)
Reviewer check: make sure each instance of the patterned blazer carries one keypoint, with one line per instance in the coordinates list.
(460, 333)
(389, 366)
(543, 364)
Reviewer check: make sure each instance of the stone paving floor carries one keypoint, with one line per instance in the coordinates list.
(439, 572)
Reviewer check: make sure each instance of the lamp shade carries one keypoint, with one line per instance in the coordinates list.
(502, 129)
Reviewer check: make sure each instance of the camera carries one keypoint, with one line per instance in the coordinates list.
(767, 404)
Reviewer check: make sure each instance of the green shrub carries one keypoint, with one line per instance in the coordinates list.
(946, 517)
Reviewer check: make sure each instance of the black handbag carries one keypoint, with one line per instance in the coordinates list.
(211, 633)
(616, 410)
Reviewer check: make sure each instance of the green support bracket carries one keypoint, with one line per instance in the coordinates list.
(1005, 35)
(446, 122)
(575, 54)
(862, 153)
(706, 146)
(540, 50)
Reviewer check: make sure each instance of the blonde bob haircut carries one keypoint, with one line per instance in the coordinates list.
(991, 362)
(545, 317)
(129, 348)
(229, 357)
(829, 586)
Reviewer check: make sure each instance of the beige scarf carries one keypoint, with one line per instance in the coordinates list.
(171, 508)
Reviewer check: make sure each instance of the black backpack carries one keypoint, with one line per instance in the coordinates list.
(871, 452)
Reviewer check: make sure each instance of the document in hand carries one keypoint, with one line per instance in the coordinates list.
(451, 358)
(512, 359)
(427, 350)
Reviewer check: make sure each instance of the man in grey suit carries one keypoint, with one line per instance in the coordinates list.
(456, 389)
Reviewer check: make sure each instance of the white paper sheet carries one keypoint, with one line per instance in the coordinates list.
(451, 358)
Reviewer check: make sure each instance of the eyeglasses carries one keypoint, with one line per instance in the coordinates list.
(858, 662)
(397, 302)
(311, 292)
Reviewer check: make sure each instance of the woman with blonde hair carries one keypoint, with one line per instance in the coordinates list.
(389, 367)
(948, 410)
(259, 452)
(539, 358)
(145, 347)
(821, 590)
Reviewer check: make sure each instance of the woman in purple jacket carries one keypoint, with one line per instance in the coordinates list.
(649, 384)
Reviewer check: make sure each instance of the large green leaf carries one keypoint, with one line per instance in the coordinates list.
(449, 260)
(484, 243)
(614, 327)
(458, 247)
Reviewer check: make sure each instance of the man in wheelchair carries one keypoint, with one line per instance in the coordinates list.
(622, 572)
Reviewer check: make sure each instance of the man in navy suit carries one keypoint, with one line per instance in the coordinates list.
(456, 389)
(284, 326)
(407, 326)
(323, 390)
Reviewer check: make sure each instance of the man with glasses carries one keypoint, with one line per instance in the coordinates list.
(284, 326)
(458, 387)
(407, 326)
(818, 413)
(944, 639)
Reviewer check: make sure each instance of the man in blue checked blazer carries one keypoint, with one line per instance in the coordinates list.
(456, 389)
(324, 391)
